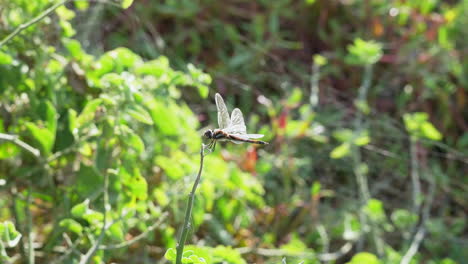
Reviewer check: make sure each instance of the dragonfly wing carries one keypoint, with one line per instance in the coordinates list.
(254, 136)
(223, 115)
(237, 125)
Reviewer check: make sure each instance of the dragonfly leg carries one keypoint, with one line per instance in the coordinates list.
(214, 144)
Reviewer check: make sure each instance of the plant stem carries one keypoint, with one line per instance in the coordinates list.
(15, 140)
(415, 175)
(29, 227)
(188, 212)
(361, 177)
(32, 22)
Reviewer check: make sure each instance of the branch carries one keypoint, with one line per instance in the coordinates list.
(137, 238)
(15, 140)
(32, 22)
(188, 211)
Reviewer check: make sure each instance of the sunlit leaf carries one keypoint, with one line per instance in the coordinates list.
(364, 258)
(5, 58)
(9, 234)
(42, 135)
(340, 151)
(71, 225)
(140, 114)
(126, 3)
(88, 113)
(170, 254)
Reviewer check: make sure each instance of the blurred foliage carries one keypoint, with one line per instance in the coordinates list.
(115, 95)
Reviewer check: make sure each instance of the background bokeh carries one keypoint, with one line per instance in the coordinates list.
(363, 102)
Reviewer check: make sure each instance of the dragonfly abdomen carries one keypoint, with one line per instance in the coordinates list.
(238, 139)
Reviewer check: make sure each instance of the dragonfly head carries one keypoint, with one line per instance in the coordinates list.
(209, 134)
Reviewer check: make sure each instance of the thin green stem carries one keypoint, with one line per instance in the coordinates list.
(361, 177)
(188, 212)
(415, 175)
(29, 227)
(32, 22)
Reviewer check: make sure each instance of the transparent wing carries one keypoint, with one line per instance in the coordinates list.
(254, 136)
(237, 125)
(223, 115)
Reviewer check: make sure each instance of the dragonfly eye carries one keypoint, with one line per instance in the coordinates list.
(209, 134)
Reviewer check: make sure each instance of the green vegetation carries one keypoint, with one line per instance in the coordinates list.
(103, 105)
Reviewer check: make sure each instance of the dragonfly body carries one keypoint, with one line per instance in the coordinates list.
(231, 128)
(220, 135)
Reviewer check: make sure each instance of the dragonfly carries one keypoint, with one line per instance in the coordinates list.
(230, 128)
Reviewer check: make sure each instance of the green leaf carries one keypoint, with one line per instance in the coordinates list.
(116, 231)
(140, 114)
(343, 135)
(170, 254)
(126, 3)
(364, 258)
(5, 58)
(430, 132)
(88, 113)
(74, 47)
(51, 118)
(80, 209)
(9, 234)
(403, 219)
(315, 190)
(42, 135)
(363, 52)
(71, 225)
(374, 209)
(418, 126)
(340, 151)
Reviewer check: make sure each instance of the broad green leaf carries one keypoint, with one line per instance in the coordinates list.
(88, 113)
(135, 142)
(418, 126)
(80, 209)
(362, 140)
(403, 218)
(126, 3)
(9, 234)
(42, 135)
(64, 13)
(340, 151)
(140, 114)
(295, 97)
(170, 254)
(364, 258)
(81, 4)
(51, 118)
(5, 58)
(72, 226)
(343, 135)
(116, 232)
(319, 59)
(363, 52)
(374, 209)
(430, 132)
(74, 47)
(315, 190)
